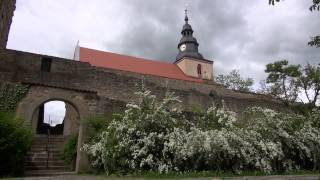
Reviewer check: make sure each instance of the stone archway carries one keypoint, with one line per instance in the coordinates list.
(38, 95)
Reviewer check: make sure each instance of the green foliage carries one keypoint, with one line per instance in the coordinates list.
(287, 81)
(10, 95)
(95, 125)
(315, 4)
(15, 141)
(69, 152)
(315, 41)
(309, 82)
(283, 80)
(195, 108)
(234, 81)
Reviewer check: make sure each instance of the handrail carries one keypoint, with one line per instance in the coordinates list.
(48, 146)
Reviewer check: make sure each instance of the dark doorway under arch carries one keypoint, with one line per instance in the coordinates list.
(56, 117)
(51, 118)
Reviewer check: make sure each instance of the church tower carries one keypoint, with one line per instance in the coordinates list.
(189, 60)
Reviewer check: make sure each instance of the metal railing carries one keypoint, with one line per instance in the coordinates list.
(48, 146)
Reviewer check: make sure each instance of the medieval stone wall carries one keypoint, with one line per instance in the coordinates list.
(115, 88)
(7, 8)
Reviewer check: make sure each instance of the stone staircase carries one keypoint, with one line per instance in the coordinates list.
(45, 156)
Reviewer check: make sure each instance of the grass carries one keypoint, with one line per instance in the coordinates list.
(204, 174)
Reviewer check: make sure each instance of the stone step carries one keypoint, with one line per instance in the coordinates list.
(50, 167)
(47, 143)
(45, 140)
(50, 146)
(47, 172)
(41, 149)
(45, 148)
(45, 152)
(43, 156)
(41, 152)
(42, 159)
(44, 136)
(44, 163)
(51, 140)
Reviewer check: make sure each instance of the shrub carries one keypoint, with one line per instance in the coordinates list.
(95, 125)
(155, 135)
(69, 152)
(15, 141)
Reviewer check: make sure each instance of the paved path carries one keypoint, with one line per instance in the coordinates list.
(92, 177)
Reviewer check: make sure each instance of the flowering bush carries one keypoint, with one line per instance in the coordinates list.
(156, 136)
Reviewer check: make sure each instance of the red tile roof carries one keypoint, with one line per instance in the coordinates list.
(133, 64)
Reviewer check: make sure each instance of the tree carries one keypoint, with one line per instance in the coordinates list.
(283, 80)
(315, 41)
(287, 82)
(315, 4)
(309, 82)
(234, 81)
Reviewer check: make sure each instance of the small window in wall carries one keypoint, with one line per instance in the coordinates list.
(46, 64)
(199, 69)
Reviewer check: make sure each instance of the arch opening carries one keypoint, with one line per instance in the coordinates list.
(56, 117)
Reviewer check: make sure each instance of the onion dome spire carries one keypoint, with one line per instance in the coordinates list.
(188, 45)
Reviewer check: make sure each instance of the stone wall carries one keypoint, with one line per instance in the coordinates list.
(7, 8)
(115, 88)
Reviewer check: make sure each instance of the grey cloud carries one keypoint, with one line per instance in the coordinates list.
(235, 34)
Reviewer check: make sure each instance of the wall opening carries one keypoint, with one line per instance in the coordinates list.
(56, 118)
(199, 69)
(46, 64)
(51, 118)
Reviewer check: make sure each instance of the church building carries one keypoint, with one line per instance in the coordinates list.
(189, 64)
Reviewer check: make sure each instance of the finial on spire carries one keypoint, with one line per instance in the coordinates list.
(186, 15)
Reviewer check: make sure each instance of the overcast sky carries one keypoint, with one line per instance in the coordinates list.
(236, 34)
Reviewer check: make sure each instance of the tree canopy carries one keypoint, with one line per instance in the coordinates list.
(234, 81)
(315, 4)
(287, 81)
(283, 80)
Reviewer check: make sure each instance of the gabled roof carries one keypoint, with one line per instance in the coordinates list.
(133, 64)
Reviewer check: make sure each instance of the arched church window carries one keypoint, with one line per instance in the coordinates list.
(199, 69)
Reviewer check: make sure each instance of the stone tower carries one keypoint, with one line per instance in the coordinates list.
(7, 8)
(189, 60)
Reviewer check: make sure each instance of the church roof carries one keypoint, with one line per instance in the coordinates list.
(133, 64)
